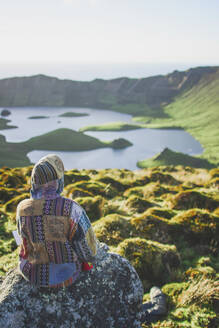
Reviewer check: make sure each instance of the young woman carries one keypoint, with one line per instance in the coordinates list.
(58, 241)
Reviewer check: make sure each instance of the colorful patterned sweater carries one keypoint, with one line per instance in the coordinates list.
(57, 238)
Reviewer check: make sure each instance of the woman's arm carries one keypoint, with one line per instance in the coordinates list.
(84, 240)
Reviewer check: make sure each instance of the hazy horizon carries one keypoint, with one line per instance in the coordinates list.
(88, 39)
(91, 71)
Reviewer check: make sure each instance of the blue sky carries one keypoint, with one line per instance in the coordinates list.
(109, 31)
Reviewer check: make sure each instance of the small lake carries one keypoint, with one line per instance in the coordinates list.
(146, 142)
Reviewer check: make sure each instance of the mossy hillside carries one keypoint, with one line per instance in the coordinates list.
(72, 176)
(198, 226)
(92, 205)
(195, 199)
(195, 109)
(143, 216)
(150, 258)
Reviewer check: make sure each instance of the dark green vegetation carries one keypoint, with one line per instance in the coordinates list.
(5, 112)
(72, 114)
(187, 100)
(169, 157)
(4, 124)
(195, 109)
(164, 220)
(15, 154)
(114, 126)
(37, 117)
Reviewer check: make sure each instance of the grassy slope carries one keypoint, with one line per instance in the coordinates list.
(197, 111)
(114, 126)
(143, 215)
(169, 157)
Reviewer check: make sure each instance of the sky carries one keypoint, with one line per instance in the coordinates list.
(38, 34)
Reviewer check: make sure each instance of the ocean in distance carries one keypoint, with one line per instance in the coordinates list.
(146, 142)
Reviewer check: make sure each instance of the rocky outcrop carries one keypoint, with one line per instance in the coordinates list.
(110, 295)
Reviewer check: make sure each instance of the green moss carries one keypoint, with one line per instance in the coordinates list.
(8, 261)
(73, 192)
(138, 204)
(214, 173)
(152, 227)
(162, 212)
(164, 178)
(153, 261)
(92, 206)
(112, 229)
(143, 238)
(198, 226)
(194, 199)
(115, 183)
(96, 188)
(214, 183)
(173, 291)
(135, 191)
(7, 193)
(75, 176)
(151, 190)
(11, 178)
(11, 205)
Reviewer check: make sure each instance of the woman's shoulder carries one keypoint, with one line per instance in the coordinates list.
(76, 210)
(29, 206)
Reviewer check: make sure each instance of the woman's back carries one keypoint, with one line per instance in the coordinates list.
(56, 233)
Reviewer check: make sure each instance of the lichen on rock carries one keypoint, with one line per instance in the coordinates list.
(110, 295)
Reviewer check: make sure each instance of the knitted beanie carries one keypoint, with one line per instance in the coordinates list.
(48, 168)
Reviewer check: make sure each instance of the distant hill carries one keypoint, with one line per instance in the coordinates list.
(117, 94)
(188, 100)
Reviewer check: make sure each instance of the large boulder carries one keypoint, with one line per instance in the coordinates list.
(110, 295)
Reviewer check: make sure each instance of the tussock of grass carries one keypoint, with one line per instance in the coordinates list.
(201, 291)
(164, 220)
